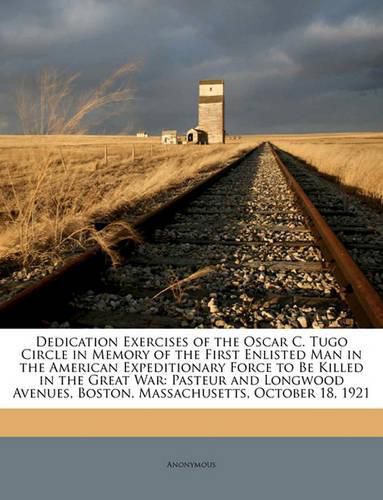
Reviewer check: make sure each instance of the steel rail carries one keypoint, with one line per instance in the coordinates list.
(363, 299)
(25, 309)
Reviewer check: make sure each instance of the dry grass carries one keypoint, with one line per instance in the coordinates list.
(178, 286)
(356, 160)
(53, 188)
(50, 107)
(74, 143)
(55, 184)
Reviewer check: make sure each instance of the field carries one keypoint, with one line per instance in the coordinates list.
(53, 188)
(354, 160)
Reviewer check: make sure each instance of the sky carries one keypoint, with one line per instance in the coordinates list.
(290, 66)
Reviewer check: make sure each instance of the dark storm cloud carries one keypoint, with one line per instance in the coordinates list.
(289, 66)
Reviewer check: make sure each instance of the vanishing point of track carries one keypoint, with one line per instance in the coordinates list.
(246, 248)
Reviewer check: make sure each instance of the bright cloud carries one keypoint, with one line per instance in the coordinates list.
(350, 30)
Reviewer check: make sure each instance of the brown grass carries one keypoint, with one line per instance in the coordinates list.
(50, 107)
(356, 160)
(53, 188)
(54, 184)
(178, 286)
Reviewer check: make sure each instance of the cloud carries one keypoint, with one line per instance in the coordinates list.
(286, 64)
(3, 124)
(69, 20)
(179, 32)
(351, 30)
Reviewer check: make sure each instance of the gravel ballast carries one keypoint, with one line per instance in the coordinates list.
(252, 248)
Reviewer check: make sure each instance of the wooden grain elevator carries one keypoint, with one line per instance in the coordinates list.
(211, 110)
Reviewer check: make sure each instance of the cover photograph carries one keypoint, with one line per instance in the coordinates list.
(191, 249)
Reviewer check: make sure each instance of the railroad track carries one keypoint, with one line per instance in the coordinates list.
(237, 251)
(355, 223)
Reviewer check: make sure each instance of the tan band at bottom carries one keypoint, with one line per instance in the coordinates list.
(191, 423)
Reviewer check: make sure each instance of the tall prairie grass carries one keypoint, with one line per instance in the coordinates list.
(356, 160)
(55, 181)
(36, 193)
(51, 195)
(53, 107)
